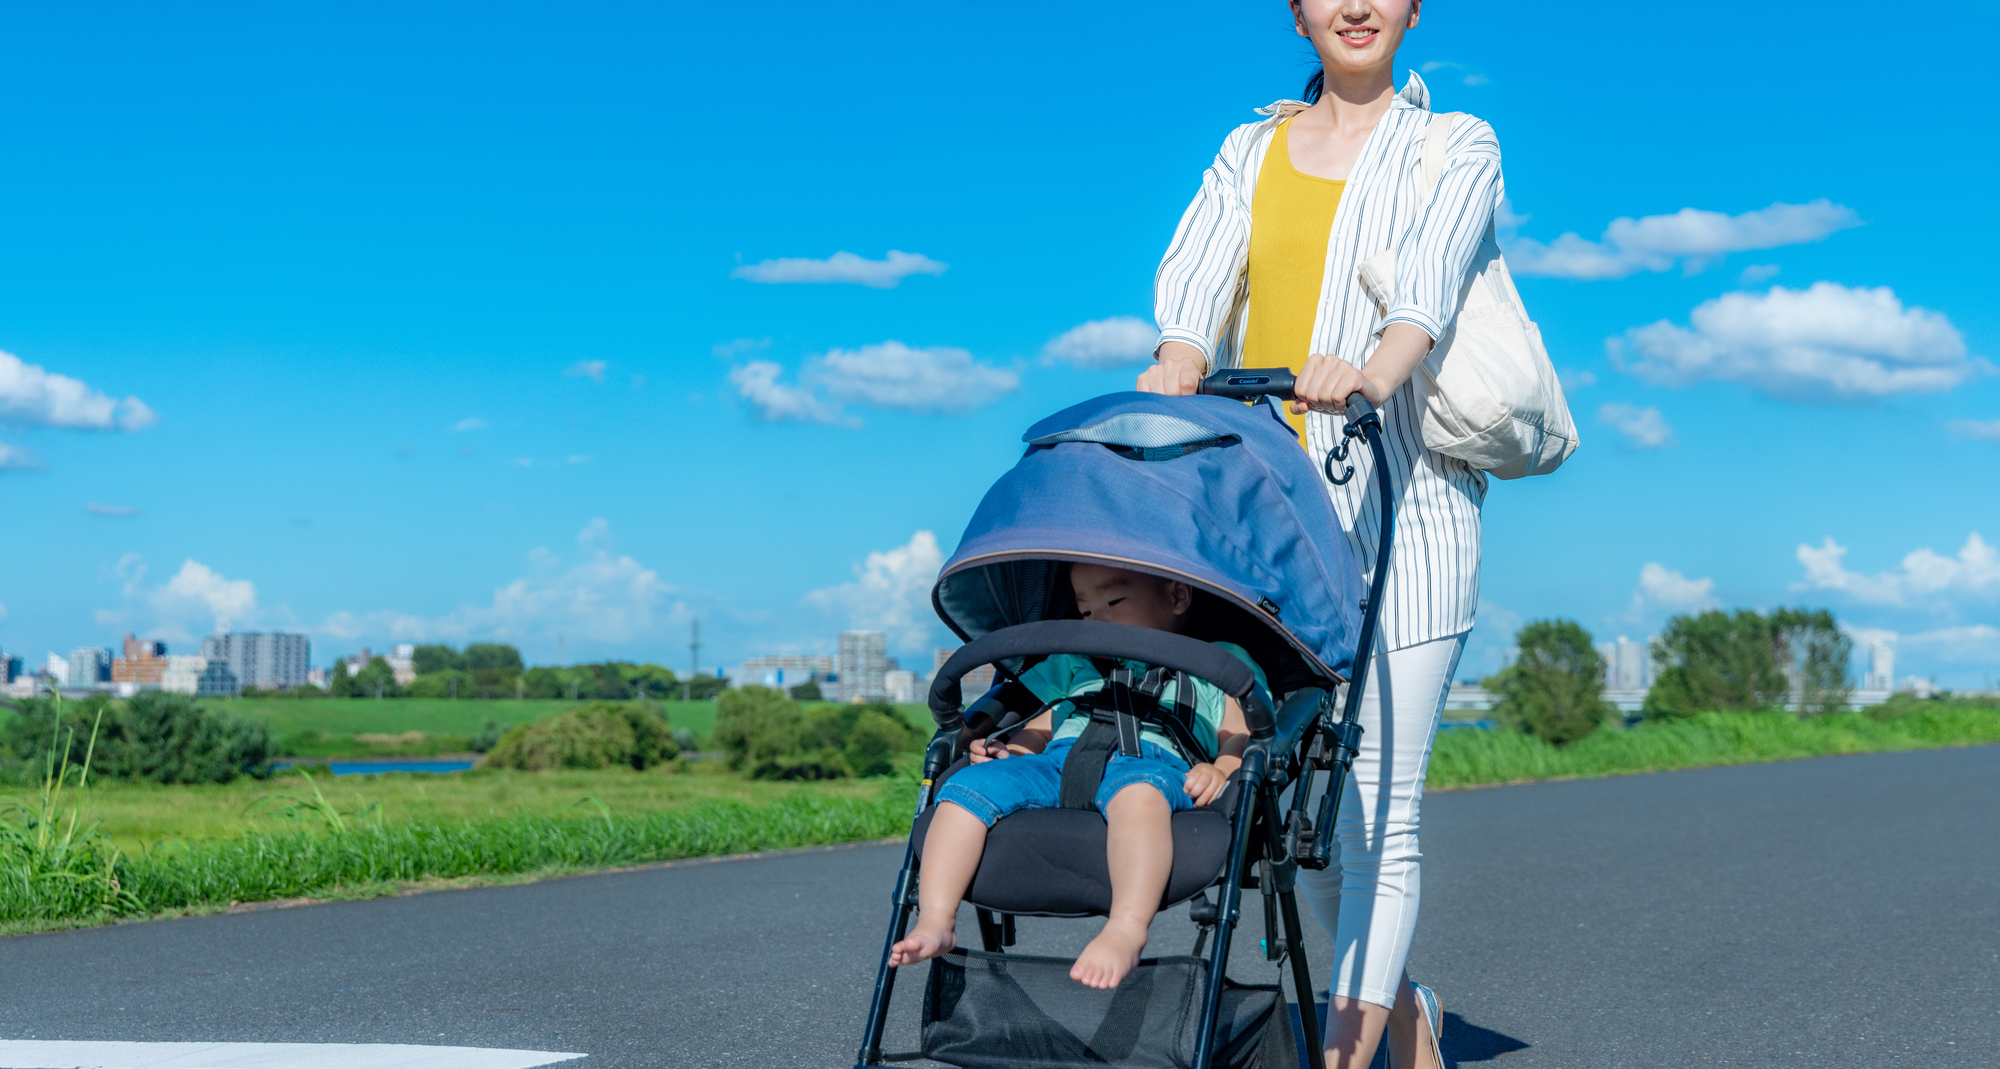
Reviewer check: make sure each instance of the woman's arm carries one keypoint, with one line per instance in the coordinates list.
(1195, 289)
(1431, 261)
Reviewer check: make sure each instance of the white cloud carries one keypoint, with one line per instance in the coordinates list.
(15, 458)
(843, 267)
(470, 423)
(1103, 343)
(1977, 644)
(1756, 274)
(1642, 428)
(1981, 430)
(889, 375)
(1663, 587)
(606, 597)
(757, 382)
(1824, 342)
(586, 369)
(32, 396)
(96, 509)
(1691, 237)
(1573, 381)
(1924, 575)
(891, 592)
(1467, 79)
(894, 375)
(197, 600)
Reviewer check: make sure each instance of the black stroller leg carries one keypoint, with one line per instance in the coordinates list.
(1288, 906)
(885, 977)
(992, 933)
(1229, 908)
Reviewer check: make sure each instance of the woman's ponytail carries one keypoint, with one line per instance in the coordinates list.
(1314, 85)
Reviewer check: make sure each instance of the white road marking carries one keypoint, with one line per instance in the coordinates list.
(57, 1054)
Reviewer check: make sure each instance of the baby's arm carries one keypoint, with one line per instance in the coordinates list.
(1033, 737)
(1205, 781)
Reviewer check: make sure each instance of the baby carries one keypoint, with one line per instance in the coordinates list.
(1138, 795)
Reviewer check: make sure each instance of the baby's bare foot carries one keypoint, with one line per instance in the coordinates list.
(1111, 955)
(924, 941)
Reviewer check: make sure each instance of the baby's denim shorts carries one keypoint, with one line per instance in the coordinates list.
(992, 789)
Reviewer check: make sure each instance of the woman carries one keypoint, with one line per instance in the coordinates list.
(1262, 273)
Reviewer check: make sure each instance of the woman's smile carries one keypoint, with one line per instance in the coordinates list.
(1360, 37)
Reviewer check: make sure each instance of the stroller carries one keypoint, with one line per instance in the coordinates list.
(1216, 494)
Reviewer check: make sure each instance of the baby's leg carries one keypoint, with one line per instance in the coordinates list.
(952, 849)
(1140, 848)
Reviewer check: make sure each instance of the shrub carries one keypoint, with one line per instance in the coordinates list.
(770, 736)
(598, 735)
(1716, 662)
(155, 737)
(490, 735)
(1813, 653)
(1555, 689)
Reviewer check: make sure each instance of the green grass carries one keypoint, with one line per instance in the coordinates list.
(364, 855)
(139, 816)
(1470, 758)
(344, 717)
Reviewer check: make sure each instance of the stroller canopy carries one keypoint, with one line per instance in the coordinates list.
(1204, 490)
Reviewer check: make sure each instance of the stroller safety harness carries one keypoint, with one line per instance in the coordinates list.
(1217, 495)
(1115, 718)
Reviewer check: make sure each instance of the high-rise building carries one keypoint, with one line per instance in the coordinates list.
(88, 666)
(142, 664)
(901, 686)
(973, 683)
(10, 668)
(1628, 665)
(863, 662)
(784, 671)
(267, 661)
(199, 676)
(403, 664)
(1881, 666)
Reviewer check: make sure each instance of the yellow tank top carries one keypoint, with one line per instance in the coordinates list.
(1291, 217)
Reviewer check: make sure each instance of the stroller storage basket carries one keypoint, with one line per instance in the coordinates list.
(999, 1011)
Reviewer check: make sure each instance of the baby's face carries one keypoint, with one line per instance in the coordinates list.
(1116, 596)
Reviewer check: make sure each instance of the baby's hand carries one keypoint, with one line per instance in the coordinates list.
(1204, 783)
(981, 751)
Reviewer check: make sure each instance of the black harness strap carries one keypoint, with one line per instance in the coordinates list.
(1116, 717)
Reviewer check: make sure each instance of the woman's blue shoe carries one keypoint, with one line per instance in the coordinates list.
(1427, 1001)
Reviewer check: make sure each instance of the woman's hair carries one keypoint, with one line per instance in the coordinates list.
(1313, 87)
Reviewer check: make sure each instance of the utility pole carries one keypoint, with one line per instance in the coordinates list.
(694, 658)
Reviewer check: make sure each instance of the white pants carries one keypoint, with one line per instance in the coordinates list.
(1367, 897)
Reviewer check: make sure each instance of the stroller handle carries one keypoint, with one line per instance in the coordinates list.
(1164, 649)
(1250, 383)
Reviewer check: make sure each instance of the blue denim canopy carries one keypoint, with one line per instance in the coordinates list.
(1204, 490)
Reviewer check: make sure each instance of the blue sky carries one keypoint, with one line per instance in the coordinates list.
(451, 323)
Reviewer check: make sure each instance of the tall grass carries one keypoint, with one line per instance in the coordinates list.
(349, 851)
(1473, 758)
(52, 865)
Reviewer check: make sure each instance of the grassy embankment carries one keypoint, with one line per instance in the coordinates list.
(1470, 758)
(328, 727)
(202, 848)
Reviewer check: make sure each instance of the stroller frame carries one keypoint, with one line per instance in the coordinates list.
(1288, 748)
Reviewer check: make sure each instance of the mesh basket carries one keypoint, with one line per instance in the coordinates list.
(1000, 1011)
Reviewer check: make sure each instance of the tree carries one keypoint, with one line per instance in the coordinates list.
(1813, 652)
(1555, 688)
(429, 660)
(807, 691)
(342, 684)
(377, 680)
(493, 657)
(704, 688)
(1716, 662)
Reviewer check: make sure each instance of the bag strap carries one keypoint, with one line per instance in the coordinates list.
(1436, 140)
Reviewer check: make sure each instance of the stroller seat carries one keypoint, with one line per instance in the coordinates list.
(1051, 862)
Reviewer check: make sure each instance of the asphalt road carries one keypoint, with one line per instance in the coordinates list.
(1835, 911)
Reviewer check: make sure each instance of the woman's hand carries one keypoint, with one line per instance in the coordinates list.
(1326, 382)
(1204, 783)
(1176, 370)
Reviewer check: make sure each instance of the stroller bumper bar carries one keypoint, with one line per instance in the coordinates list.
(1091, 639)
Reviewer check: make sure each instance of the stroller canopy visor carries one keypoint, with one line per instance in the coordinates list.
(1204, 490)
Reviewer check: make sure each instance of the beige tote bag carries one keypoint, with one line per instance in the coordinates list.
(1489, 395)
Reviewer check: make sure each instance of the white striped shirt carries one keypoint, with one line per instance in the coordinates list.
(1199, 298)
